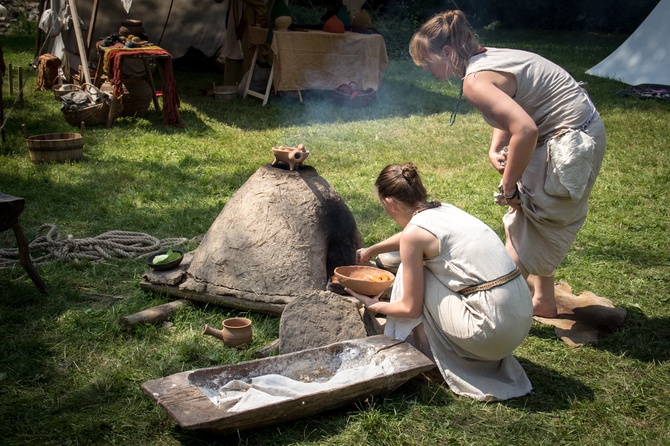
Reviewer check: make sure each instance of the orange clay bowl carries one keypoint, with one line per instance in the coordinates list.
(366, 280)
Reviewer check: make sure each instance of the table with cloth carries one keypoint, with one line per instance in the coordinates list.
(112, 65)
(318, 60)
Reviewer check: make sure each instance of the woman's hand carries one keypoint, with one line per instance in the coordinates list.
(367, 301)
(363, 255)
(512, 200)
(498, 158)
(514, 203)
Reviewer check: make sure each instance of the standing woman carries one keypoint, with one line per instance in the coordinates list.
(548, 141)
(458, 296)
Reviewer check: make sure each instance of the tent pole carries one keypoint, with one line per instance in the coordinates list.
(80, 42)
(91, 26)
(38, 37)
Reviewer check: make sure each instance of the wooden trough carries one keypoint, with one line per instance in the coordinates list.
(193, 398)
(55, 147)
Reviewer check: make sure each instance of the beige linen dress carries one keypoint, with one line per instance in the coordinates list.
(471, 337)
(544, 232)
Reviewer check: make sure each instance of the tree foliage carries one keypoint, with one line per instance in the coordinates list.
(609, 16)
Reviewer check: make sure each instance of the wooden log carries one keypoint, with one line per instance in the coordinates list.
(230, 301)
(154, 314)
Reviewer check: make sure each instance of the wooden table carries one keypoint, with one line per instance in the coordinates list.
(161, 61)
(318, 60)
(10, 209)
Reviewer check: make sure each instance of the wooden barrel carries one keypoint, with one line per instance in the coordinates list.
(55, 147)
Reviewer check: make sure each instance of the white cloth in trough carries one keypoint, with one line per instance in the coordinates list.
(239, 395)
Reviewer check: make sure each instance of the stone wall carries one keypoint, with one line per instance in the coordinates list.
(13, 11)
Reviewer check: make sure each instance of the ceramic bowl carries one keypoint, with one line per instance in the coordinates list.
(366, 280)
(164, 266)
(283, 22)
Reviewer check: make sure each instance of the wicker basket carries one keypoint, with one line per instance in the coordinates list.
(349, 95)
(61, 90)
(93, 115)
(137, 96)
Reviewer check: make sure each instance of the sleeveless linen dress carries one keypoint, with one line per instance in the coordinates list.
(544, 232)
(471, 337)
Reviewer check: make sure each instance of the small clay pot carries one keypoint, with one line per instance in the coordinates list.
(293, 156)
(236, 331)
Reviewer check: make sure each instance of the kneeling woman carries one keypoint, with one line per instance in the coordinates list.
(458, 295)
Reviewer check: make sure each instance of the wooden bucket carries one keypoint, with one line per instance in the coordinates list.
(225, 93)
(55, 147)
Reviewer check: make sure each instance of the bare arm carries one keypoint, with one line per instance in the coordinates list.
(391, 244)
(415, 244)
(491, 93)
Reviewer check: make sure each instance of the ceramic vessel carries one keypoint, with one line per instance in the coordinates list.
(366, 280)
(283, 22)
(293, 156)
(211, 331)
(165, 266)
(236, 331)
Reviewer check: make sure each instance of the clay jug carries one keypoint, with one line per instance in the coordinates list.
(236, 331)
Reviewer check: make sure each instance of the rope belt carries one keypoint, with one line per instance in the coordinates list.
(492, 284)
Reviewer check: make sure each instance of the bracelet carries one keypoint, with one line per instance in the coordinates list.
(516, 193)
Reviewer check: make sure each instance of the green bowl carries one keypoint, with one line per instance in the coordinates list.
(167, 265)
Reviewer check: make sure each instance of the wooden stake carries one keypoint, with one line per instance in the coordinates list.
(21, 83)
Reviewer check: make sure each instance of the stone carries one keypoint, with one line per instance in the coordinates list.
(317, 319)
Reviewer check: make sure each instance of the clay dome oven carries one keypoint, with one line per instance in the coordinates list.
(280, 236)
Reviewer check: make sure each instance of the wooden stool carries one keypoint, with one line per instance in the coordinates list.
(10, 209)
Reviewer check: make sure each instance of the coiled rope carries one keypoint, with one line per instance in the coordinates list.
(111, 244)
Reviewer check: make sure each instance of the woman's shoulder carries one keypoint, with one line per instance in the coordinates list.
(502, 59)
(444, 212)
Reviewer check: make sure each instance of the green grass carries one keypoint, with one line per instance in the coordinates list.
(70, 374)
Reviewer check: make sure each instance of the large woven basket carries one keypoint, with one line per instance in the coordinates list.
(137, 96)
(61, 90)
(93, 115)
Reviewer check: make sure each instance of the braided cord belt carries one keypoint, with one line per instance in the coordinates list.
(492, 284)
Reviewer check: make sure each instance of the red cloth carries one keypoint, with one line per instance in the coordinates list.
(112, 66)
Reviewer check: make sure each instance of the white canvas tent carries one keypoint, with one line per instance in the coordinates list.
(644, 58)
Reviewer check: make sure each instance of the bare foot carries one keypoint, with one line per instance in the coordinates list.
(544, 308)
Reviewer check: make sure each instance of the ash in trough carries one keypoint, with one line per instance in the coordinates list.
(280, 236)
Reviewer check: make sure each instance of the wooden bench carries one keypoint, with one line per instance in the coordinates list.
(10, 210)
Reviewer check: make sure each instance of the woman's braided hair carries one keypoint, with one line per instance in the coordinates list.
(445, 28)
